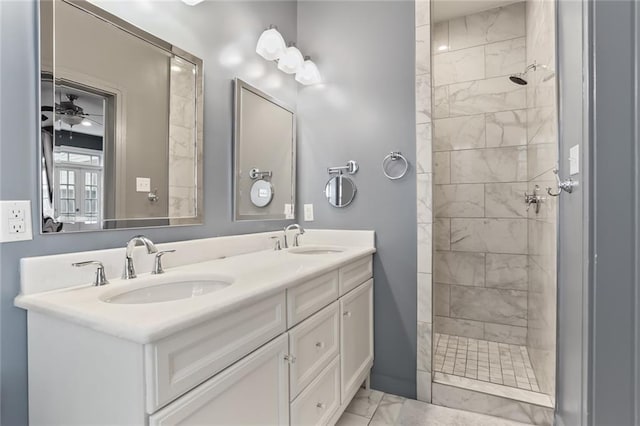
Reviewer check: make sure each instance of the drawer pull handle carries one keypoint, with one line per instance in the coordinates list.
(320, 405)
(320, 345)
(290, 359)
(346, 314)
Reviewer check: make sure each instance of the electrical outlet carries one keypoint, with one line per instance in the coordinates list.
(143, 184)
(308, 212)
(16, 226)
(15, 221)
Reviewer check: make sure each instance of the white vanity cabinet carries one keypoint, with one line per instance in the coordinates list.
(296, 357)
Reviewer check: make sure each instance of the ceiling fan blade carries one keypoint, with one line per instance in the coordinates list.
(91, 119)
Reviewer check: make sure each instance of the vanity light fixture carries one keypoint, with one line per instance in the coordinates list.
(191, 2)
(271, 45)
(308, 74)
(292, 60)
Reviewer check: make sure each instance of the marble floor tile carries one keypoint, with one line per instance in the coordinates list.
(409, 412)
(388, 410)
(415, 413)
(348, 419)
(365, 403)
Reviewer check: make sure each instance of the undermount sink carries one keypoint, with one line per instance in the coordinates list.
(315, 250)
(167, 292)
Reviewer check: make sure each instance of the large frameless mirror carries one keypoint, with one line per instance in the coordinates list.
(264, 156)
(121, 124)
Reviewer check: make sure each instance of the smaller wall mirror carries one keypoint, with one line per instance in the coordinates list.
(340, 191)
(264, 156)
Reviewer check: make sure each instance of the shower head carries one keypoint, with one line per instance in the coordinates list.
(521, 80)
(518, 79)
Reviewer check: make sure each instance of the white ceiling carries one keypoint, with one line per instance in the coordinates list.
(443, 10)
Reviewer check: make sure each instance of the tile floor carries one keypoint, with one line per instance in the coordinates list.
(484, 360)
(375, 408)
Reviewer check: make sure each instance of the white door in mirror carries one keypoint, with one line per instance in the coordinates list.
(15, 221)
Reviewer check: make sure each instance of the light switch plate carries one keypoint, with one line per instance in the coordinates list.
(574, 160)
(143, 184)
(15, 221)
(289, 212)
(308, 212)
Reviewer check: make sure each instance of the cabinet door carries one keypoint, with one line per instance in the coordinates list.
(254, 391)
(356, 337)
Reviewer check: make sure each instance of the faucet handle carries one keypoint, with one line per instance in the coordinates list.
(277, 245)
(157, 263)
(101, 278)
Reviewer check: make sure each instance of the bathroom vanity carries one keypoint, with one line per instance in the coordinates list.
(260, 336)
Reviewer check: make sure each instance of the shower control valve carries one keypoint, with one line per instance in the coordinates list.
(533, 199)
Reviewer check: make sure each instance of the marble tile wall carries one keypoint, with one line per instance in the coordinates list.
(542, 152)
(424, 187)
(480, 174)
(182, 115)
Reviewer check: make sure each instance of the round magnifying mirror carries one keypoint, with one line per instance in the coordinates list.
(340, 191)
(261, 193)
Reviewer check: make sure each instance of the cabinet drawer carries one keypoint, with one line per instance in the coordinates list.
(351, 276)
(318, 402)
(308, 298)
(180, 362)
(314, 343)
(250, 392)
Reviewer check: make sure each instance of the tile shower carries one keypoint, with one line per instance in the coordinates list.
(494, 261)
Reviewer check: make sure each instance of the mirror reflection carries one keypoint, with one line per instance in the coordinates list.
(265, 144)
(340, 191)
(121, 125)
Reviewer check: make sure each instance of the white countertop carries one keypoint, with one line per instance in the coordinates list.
(255, 276)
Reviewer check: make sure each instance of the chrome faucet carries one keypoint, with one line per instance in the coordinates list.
(139, 240)
(296, 237)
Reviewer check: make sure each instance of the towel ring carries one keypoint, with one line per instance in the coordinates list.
(389, 159)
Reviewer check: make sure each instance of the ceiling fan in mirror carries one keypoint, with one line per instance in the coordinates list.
(68, 112)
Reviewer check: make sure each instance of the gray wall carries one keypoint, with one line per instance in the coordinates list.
(599, 298)
(364, 110)
(224, 35)
(614, 397)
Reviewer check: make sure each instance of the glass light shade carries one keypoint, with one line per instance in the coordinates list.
(191, 2)
(271, 45)
(291, 61)
(308, 73)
